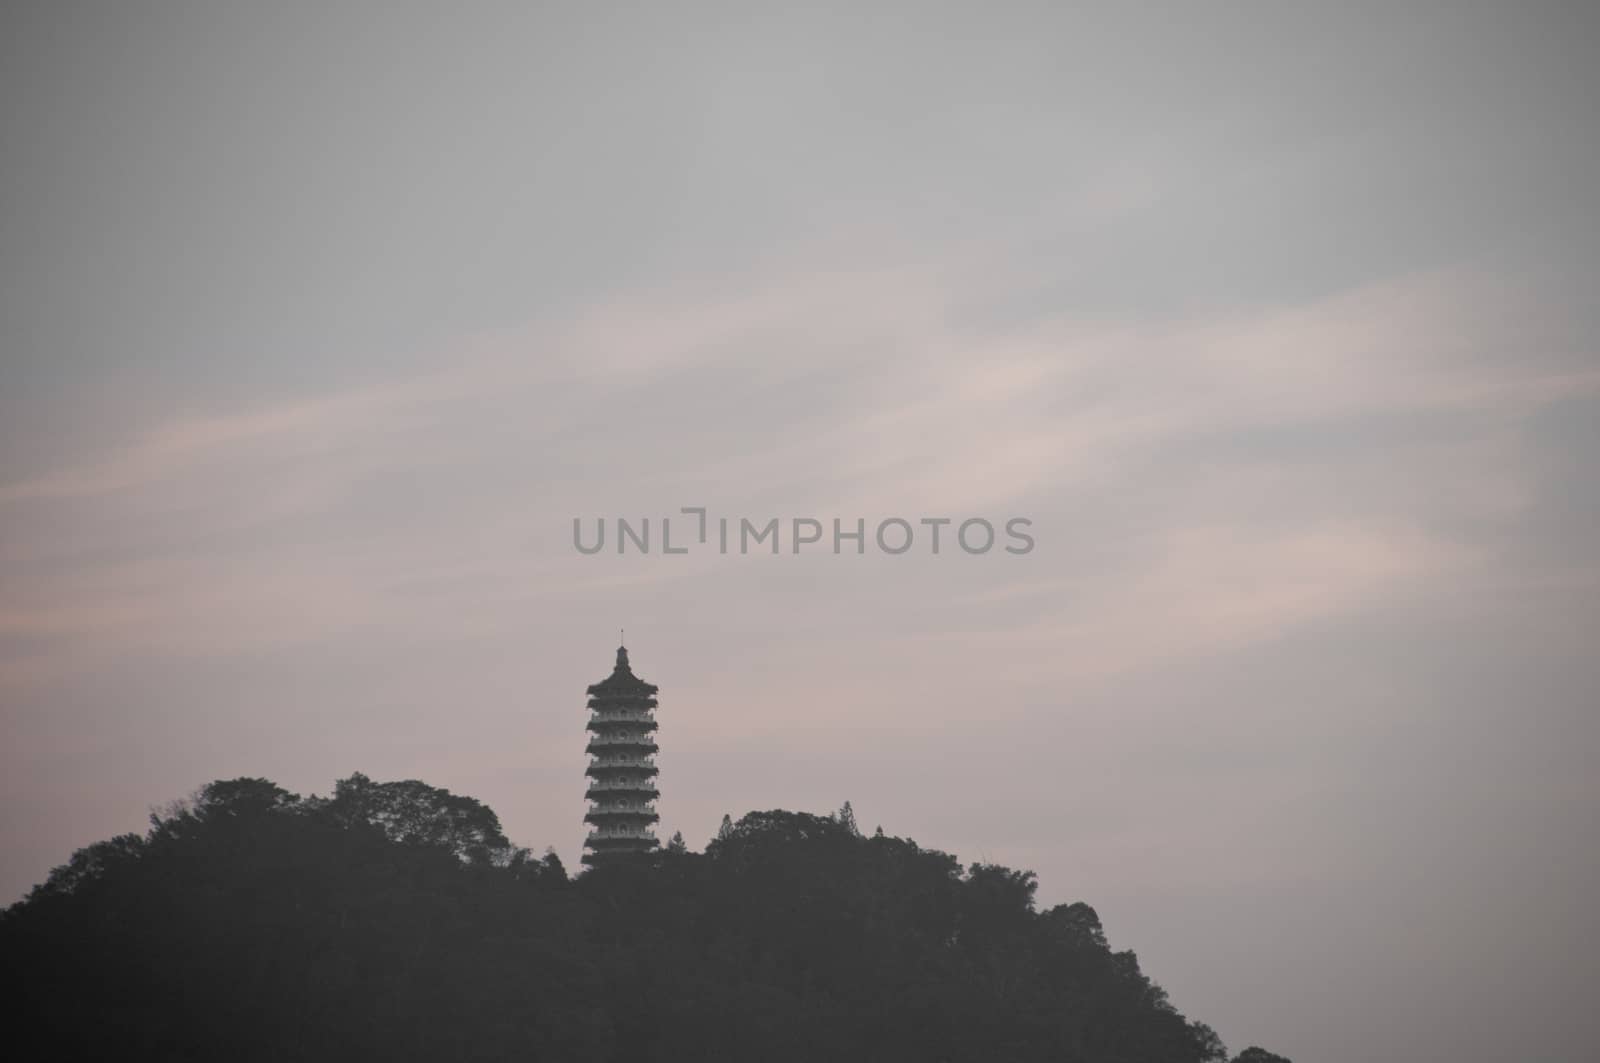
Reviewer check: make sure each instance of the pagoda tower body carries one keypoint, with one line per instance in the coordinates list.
(622, 767)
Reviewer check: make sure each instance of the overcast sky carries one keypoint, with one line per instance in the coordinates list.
(318, 328)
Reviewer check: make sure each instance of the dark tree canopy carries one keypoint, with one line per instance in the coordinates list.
(1258, 1055)
(394, 921)
(415, 813)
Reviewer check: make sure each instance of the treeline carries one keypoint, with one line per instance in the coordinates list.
(394, 921)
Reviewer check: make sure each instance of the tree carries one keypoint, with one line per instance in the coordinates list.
(1207, 1045)
(1078, 923)
(676, 844)
(414, 813)
(1001, 889)
(1258, 1055)
(90, 864)
(725, 831)
(241, 798)
(847, 819)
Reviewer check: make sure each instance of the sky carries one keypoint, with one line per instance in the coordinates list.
(320, 326)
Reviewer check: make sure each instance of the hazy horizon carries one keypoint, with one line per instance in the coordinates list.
(319, 328)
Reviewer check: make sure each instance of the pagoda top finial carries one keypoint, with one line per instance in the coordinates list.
(622, 681)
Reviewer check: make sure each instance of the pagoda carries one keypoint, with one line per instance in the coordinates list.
(622, 768)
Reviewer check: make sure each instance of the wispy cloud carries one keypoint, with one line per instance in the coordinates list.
(300, 519)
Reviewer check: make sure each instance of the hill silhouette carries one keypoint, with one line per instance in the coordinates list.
(394, 921)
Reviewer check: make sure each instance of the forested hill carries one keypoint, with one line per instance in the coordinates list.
(393, 921)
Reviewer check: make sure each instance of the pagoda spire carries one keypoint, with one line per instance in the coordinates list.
(622, 769)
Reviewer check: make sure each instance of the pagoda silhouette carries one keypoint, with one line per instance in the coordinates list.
(622, 767)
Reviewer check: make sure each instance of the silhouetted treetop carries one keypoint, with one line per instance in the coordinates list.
(1258, 1055)
(414, 813)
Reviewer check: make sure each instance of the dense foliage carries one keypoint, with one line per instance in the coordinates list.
(394, 921)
